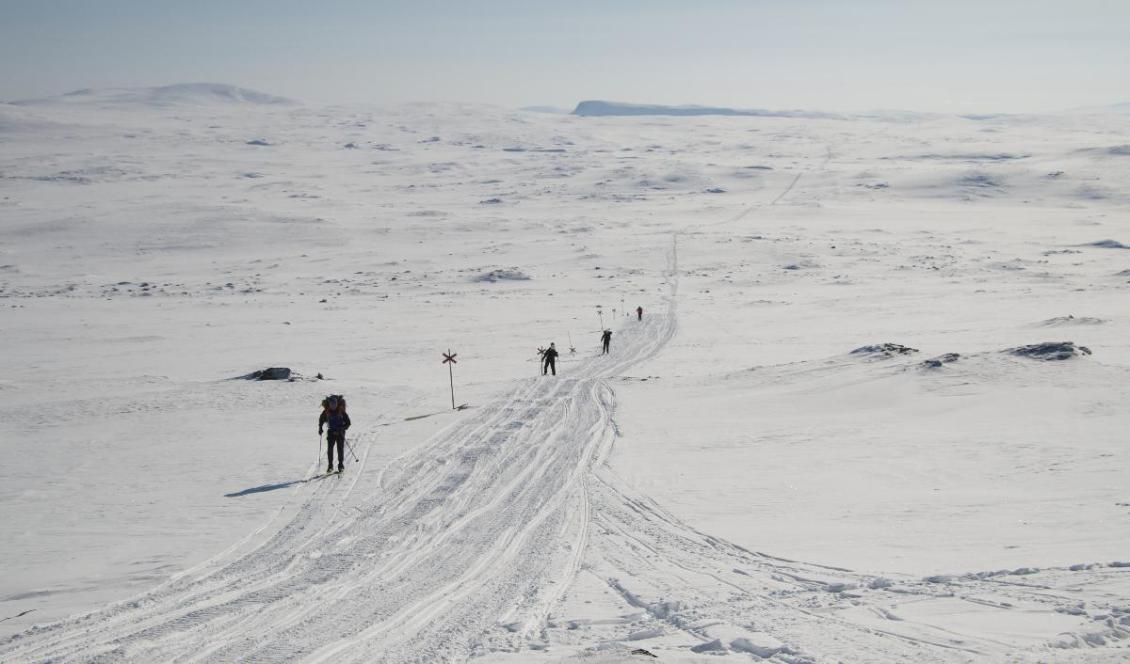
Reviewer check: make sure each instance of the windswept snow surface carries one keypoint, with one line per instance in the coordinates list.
(731, 483)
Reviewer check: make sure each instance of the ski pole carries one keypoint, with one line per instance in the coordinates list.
(355, 459)
(319, 457)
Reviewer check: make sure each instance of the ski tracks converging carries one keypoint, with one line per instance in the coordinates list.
(468, 544)
(459, 547)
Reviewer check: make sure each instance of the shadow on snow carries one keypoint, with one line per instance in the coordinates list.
(271, 487)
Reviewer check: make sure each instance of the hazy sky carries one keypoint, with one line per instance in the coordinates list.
(943, 55)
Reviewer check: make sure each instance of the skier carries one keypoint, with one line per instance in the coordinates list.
(605, 339)
(337, 421)
(639, 313)
(549, 360)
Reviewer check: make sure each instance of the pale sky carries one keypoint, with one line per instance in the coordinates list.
(944, 55)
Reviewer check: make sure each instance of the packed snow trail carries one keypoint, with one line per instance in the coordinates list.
(484, 525)
(466, 546)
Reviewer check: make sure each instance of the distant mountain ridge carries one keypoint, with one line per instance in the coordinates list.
(182, 94)
(599, 108)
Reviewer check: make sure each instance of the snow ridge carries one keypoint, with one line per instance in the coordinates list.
(182, 94)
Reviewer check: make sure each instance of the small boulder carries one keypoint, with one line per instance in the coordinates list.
(271, 373)
(937, 362)
(1072, 320)
(884, 350)
(512, 274)
(1050, 350)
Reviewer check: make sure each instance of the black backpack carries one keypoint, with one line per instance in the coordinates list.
(333, 402)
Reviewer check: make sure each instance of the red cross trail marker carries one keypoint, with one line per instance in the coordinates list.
(449, 360)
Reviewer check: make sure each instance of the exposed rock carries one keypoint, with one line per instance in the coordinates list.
(512, 274)
(802, 264)
(1072, 320)
(1050, 350)
(884, 350)
(271, 373)
(937, 362)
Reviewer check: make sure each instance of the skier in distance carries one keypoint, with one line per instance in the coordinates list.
(605, 340)
(639, 313)
(335, 419)
(549, 360)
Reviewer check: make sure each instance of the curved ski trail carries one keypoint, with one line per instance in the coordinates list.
(468, 544)
(464, 549)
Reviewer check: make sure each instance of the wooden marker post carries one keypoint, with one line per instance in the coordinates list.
(449, 360)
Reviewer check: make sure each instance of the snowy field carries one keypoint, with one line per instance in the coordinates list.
(731, 483)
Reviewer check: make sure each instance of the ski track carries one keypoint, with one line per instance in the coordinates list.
(465, 546)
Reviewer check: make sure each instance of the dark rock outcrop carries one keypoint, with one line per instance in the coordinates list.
(884, 350)
(937, 362)
(1050, 350)
(512, 274)
(271, 373)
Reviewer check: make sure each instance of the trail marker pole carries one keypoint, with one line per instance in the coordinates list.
(449, 360)
(600, 312)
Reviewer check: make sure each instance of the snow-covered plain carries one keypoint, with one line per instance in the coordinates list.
(732, 483)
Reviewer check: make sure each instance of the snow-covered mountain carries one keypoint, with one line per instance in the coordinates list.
(187, 94)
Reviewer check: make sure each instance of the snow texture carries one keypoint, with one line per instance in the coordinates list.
(731, 483)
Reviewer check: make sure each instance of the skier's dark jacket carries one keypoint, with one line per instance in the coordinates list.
(550, 354)
(334, 421)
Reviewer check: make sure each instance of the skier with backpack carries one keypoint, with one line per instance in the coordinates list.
(606, 339)
(549, 360)
(336, 420)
